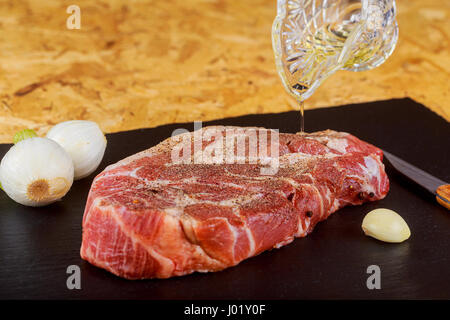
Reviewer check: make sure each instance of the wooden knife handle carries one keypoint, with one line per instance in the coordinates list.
(443, 196)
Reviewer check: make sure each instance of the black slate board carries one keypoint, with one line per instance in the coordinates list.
(38, 244)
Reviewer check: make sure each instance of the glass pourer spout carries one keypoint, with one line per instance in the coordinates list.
(314, 39)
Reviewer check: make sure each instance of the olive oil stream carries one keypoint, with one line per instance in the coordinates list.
(331, 48)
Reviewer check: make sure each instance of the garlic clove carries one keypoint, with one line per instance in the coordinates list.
(386, 225)
(84, 141)
(36, 172)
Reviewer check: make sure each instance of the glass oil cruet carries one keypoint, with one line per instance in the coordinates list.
(312, 39)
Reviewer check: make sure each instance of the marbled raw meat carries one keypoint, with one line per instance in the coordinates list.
(148, 217)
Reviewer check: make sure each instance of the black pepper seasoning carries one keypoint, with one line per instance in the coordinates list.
(309, 214)
(290, 196)
(361, 196)
(371, 194)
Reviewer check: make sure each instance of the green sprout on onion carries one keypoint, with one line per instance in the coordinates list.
(24, 134)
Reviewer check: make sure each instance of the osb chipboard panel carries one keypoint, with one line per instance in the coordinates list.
(140, 64)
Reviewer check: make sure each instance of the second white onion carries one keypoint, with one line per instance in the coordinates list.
(85, 143)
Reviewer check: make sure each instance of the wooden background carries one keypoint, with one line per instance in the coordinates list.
(140, 64)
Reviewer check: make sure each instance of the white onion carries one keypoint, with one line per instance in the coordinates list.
(36, 172)
(85, 143)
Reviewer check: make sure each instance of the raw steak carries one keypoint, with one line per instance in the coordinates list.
(148, 216)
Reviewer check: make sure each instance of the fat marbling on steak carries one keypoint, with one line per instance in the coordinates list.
(148, 216)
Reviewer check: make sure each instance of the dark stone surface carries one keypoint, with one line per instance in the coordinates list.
(38, 244)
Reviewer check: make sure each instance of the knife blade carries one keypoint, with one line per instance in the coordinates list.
(434, 185)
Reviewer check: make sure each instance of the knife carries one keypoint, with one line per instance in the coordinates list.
(434, 185)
